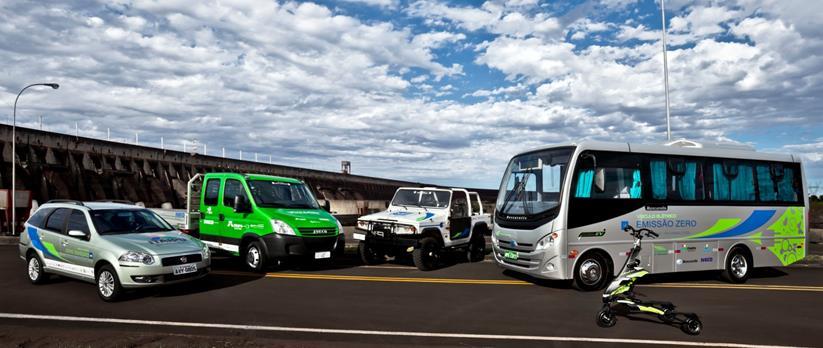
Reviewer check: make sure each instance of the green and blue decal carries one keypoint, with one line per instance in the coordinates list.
(46, 248)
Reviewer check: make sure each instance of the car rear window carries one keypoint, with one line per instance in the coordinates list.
(39, 218)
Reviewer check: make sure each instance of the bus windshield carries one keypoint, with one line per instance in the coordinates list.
(421, 198)
(533, 181)
(276, 194)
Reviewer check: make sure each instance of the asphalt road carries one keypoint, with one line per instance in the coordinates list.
(394, 304)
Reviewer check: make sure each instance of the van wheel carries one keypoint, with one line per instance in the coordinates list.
(738, 266)
(108, 284)
(590, 273)
(35, 269)
(255, 256)
(369, 254)
(427, 254)
(477, 248)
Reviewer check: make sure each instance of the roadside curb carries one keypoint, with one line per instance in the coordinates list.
(9, 240)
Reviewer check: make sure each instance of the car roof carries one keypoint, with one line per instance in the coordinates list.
(90, 205)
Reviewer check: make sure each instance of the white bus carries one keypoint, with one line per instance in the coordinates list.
(561, 210)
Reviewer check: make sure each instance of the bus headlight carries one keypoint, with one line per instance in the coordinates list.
(363, 224)
(405, 230)
(282, 227)
(547, 241)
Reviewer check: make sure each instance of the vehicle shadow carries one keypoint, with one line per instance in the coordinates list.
(557, 284)
(701, 276)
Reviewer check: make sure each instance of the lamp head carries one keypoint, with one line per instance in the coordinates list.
(52, 85)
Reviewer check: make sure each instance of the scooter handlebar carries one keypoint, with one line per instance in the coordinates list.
(641, 232)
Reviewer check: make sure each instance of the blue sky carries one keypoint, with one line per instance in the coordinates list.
(426, 90)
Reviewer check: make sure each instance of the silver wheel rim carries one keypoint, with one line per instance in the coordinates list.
(253, 257)
(34, 268)
(590, 272)
(105, 283)
(739, 266)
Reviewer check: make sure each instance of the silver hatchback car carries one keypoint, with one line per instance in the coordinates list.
(116, 246)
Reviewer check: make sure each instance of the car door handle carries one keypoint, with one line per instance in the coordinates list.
(221, 217)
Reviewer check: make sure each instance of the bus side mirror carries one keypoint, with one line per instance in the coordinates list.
(600, 180)
(241, 204)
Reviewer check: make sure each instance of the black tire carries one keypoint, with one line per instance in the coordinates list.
(738, 267)
(108, 284)
(477, 248)
(606, 318)
(591, 272)
(426, 255)
(254, 257)
(692, 326)
(370, 255)
(34, 267)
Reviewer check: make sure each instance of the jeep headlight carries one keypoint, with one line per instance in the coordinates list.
(281, 227)
(363, 225)
(137, 257)
(547, 241)
(403, 229)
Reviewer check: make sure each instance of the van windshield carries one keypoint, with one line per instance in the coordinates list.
(421, 198)
(532, 182)
(117, 221)
(276, 194)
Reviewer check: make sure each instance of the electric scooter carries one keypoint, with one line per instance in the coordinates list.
(619, 297)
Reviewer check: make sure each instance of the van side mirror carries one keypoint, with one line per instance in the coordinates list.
(327, 206)
(600, 180)
(241, 204)
(78, 234)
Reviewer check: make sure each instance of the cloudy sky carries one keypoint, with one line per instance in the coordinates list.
(431, 90)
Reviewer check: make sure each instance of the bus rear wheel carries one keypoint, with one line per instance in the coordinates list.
(591, 272)
(738, 266)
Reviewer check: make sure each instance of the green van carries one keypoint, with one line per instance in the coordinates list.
(266, 219)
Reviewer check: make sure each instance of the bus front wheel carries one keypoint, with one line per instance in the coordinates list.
(591, 272)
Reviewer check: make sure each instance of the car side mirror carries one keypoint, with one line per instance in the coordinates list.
(78, 234)
(241, 204)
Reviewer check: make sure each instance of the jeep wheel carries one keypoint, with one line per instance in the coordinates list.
(369, 254)
(35, 269)
(477, 248)
(108, 284)
(427, 254)
(255, 257)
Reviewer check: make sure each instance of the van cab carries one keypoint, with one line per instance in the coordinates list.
(266, 219)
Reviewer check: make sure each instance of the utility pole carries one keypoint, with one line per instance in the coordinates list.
(76, 130)
(241, 155)
(162, 144)
(666, 72)
(41, 122)
(224, 152)
(108, 134)
(136, 139)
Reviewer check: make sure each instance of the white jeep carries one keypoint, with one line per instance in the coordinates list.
(426, 222)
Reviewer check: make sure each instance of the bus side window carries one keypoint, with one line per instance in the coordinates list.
(787, 187)
(732, 181)
(676, 179)
(766, 182)
(618, 183)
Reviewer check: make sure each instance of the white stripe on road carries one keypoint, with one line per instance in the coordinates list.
(373, 332)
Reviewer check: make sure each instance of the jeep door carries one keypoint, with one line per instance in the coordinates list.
(460, 219)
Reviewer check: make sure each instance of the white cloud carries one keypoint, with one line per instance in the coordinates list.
(379, 3)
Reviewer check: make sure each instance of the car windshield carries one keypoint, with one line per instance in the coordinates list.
(421, 198)
(533, 181)
(276, 194)
(115, 221)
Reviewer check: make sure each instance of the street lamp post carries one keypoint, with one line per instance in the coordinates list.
(14, 153)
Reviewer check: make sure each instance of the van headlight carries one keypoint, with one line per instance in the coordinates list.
(137, 257)
(547, 241)
(281, 227)
(403, 229)
(363, 225)
(339, 226)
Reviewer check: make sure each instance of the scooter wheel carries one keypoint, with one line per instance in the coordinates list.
(692, 326)
(606, 318)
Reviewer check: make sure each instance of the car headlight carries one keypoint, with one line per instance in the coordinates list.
(282, 227)
(547, 241)
(339, 227)
(405, 230)
(137, 257)
(363, 224)
(206, 252)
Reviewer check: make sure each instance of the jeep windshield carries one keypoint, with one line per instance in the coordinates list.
(533, 181)
(277, 194)
(421, 198)
(118, 221)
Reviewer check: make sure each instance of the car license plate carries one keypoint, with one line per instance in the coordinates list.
(322, 255)
(359, 236)
(511, 255)
(184, 269)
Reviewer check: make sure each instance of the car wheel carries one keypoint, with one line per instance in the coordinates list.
(369, 254)
(591, 273)
(255, 257)
(738, 266)
(477, 248)
(35, 269)
(427, 254)
(108, 284)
